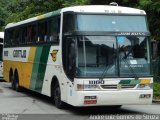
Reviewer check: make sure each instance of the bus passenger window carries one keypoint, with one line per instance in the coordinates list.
(15, 37)
(24, 35)
(31, 34)
(42, 31)
(9, 37)
(53, 29)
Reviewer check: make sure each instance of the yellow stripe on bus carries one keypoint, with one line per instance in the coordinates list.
(28, 67)
(31, 54)
(40, 17)
(145, 81)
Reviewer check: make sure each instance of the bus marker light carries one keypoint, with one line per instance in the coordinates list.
(145, 81)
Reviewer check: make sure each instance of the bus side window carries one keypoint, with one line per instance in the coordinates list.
(16, 35)
(68, 22)
(8, 37)
(53, 30)
(34, 34)
(42, 31)
(24, 35)
(31, 33)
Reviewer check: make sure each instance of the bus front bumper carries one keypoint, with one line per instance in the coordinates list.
(105, 98)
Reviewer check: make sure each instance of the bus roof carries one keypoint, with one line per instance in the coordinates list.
(47, 15)
(103, 9)
(1, 34)
(106, 9)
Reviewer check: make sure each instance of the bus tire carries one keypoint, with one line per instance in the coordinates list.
(12, 83)
(16, 82)
(57, 96)
(11, 79)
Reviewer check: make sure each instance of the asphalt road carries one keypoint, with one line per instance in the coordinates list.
(27, 102)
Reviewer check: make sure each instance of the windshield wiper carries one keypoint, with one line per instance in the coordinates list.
(107, 68)
(104, 72)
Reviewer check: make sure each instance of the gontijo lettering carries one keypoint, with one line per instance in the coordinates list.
(19, 53)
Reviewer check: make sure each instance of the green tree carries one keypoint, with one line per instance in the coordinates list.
(3, 13)
(128, 3)
(152, 7)
(17, 10)
(75, 2)
(23, 9)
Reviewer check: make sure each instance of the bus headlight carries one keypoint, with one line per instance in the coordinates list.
(87, 87)
(145, 86)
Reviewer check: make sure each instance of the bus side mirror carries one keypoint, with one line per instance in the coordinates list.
(72, 60)
(73, 50)
(72, 55)
(154, 49)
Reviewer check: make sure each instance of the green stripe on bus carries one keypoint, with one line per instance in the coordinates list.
(35, 67)
(125, 82)
(135, 82)
(42, 68)
(39, 68)
(129, 82)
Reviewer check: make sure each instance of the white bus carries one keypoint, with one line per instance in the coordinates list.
(1, 54)
(93, 55)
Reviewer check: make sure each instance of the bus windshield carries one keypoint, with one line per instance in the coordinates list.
(105, 23)
(105, 49)
(129, 23)
(111, 56)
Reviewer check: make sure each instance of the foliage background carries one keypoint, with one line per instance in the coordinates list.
(16, 10)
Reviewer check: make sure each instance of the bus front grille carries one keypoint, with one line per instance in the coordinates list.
(119, 86)
(109, 86)
(127, 86)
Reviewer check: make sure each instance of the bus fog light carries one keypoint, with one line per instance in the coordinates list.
(145, 96)
(145, 86)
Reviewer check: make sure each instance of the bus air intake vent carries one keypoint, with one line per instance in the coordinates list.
(109, 86)
(120, 86)
(127, 86)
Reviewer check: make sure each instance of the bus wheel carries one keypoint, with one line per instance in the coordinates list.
(11, 79)
(12, 82)
(16, 82)
(57, 96)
